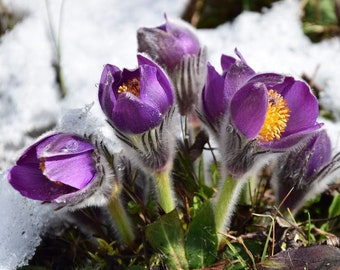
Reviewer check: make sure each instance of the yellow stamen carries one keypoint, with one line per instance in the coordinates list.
(132, 86)
(276, 118)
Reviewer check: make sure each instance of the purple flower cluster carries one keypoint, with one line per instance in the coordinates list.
(250, 115)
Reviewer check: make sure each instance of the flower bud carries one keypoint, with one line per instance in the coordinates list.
(176, 48)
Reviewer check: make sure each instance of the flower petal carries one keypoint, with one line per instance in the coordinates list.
(110, 77)
(161, 77)
(248, 109)
(321, 155)
(62, 145)
(302, 115)
(214, 99)
(289, 141)
(236, 76)
(73, 170)
(30, 182)
(152, 92)
(269, 79)
(131, 115)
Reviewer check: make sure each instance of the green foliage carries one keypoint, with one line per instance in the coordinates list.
(166, 236)
(201, 240)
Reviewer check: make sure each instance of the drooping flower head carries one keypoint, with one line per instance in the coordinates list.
(252, 113)
(59, 168)
(176, 48)
(304, 171)
(139, 105)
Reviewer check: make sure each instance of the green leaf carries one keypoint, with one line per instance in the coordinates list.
(201, 240)
(166, 237)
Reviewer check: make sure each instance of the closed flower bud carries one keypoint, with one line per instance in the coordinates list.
(304, 172)
(176, 48)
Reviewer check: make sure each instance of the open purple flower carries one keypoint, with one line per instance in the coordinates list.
(252, 113)
(139, 105)
(304, 172)
(135, 101)
(168, 43)
(59, 165)
(272, 113)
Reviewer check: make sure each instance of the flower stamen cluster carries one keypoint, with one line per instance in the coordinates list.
(132, 86)
(276, 118)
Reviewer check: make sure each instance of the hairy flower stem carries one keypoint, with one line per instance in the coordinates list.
(121, 220)
(226, 200)
(164, 191)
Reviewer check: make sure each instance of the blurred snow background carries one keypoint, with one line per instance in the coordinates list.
(93, 33)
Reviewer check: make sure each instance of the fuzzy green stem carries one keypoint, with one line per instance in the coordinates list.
(226, 200)
(121, 220)
(164, 191)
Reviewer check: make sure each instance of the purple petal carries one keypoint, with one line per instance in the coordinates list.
(152, 92)
(237, 76)
(289, 141)
(227, 62)
(214, 99)
(248, 109)
(303, 107)
(160, 76)
(320, 144)
(29, 181)
(73, 170)
(131, 115)
(111, 76)
(269, 79)
(62, 145)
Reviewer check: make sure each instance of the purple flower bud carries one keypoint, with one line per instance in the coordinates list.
(59, 165)
(304, 171)
(135, 101)
(176, 48)
(168, 43)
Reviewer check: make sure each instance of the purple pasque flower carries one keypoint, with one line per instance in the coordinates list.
(176, 48)
(276, 115)
(304, 171)
(139, 105)
(135, 101)
(262, 106)
(168, 43)
(57, 166)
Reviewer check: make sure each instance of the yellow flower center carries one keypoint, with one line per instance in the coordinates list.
(276, 118)
(132, 86)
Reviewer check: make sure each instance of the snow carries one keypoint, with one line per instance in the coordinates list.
(93, 33)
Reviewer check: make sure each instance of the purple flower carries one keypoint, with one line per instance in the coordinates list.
(304, 171)
(135, 101)
(59, 165)
(272, 113)
(177, 49)
(168, 43)
(251, 113)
